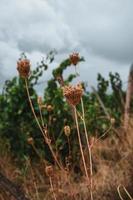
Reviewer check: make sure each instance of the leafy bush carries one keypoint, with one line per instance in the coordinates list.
(17, 122)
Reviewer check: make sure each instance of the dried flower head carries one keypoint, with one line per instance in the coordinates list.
(73, 94)
(54, 119)
(23, 67)
(112, 120)
(49, 108)
(30, 141)
(74, 58)
(43, 106)
(49, 170)
(67, 130)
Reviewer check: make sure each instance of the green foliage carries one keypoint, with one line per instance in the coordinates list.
(17, 123)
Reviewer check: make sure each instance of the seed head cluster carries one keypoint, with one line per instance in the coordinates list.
(49, 170)
(74, 58)
(30, 141)
(67, 130)
(73, 94)
(23, 67)
(50, 108)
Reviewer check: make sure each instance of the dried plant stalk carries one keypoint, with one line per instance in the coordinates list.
(89, 148)
(37, 121)
(80, 144)
(128, 98)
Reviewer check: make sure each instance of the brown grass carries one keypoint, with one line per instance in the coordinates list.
(112, 166)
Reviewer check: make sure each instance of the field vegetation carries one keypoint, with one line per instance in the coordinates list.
(69, 143)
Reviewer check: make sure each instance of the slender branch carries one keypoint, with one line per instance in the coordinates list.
(41, 116)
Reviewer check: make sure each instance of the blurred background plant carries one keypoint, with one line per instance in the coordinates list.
(16, 120)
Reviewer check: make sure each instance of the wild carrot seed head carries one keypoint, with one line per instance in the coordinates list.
(112, 120)
(74, 58)
(67, 130)
(50, 108)
(73, 94)
(23, 67)
(30, 141)
(49, 170)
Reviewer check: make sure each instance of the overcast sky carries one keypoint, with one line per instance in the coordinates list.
(100, 30)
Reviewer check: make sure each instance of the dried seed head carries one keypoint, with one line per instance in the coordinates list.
(45, 130)
(67, 130)
(23, 67)
(49, 170)
(73, 94)
(30, 141)
(49, 108)
(43, 106)
(47, 140)
(39, 101)
(112, 120)
(54, 119)
(74, 58)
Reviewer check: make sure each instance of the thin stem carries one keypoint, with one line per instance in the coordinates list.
(52, 188)
(69, 147)
(127, 193)
(89, 149)
(37, 121)
(34, 182)
(80, 144)
(105, 133)
(37, 153)
(41, 116)
(32, 108)
(118, 189)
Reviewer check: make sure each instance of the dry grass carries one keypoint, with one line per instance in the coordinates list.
(112, 166)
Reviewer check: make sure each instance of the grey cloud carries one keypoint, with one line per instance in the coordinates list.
(100, 30)
(104, 27)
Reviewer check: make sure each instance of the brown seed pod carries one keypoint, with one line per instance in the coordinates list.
(30, 141)
(67, 130)
(112, 120)
(74, 58)
(49, 170)
(73, 94)
(43, 106)
(54, 119)
(23, 67)
(49, 108)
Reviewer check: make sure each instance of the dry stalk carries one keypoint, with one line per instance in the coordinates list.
(128, 98)
(80, 144)
(118, 189)
(89, 149)
(52, 188)
(38, 123)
